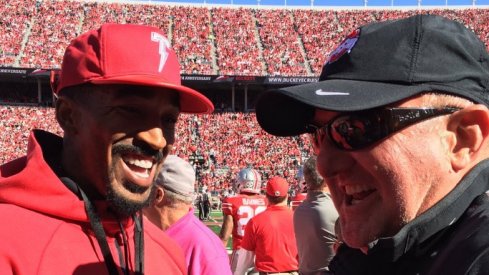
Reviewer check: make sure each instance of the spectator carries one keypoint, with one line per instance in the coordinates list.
(269, 236)
(314, 224)
(172, 211)
(400, 125)
(118, 111)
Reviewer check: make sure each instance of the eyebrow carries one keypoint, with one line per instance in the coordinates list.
(133, 92)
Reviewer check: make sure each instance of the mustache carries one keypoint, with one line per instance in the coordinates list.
(120, 149)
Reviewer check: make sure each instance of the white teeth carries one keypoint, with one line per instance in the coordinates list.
(353, 189)
(146, 164)
(353, 201)
(143, 174)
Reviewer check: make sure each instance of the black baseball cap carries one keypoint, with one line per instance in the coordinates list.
(382, 63)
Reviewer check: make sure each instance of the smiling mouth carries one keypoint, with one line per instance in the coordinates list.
(355, 194)
(141, 167)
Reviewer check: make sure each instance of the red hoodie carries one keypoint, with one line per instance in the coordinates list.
(45, 229)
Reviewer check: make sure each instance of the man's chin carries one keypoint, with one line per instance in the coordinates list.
(128, 202)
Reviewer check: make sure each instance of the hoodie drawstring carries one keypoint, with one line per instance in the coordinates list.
(102, 237)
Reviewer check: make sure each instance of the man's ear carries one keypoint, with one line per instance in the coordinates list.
(66, 115)
(160, 193)
(469, 140)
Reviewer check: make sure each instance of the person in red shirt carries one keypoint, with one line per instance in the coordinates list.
(269, 236)
(73, 204)
(299, 197)
(238, 210)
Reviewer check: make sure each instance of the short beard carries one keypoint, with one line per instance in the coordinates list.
(119, 203)
(125, 207)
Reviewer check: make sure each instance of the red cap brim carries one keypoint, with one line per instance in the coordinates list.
(191, 101)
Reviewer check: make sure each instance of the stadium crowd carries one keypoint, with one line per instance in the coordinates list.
(238, 51)
(207, 41)
(224, 152)
(241, 41)
(225, 41)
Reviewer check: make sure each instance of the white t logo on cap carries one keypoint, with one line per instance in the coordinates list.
(162, 49)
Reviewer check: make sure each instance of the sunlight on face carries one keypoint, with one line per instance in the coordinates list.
(379, 189)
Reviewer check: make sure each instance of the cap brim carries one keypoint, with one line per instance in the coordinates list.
(288, 111)
(191, 101)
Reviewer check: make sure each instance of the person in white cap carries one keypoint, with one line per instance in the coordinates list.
(172, 211)
(73, 204)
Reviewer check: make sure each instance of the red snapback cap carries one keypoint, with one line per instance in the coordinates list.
(277, 187)
(128, 54)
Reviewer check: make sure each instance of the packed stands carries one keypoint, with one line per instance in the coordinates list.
(97, 13)
(318, 38)
(208, 40)
(281, 43)
(236, 38)
(153, 15)
(227, 142)
(192, 39)
(16, 122)
(14, 24)
(52, 27)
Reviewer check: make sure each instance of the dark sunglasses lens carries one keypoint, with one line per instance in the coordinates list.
(353, 132)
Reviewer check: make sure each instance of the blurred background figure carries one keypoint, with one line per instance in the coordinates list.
(314, 223)
(300, 190)
(172, 211)
(200, 205)
(206, 204)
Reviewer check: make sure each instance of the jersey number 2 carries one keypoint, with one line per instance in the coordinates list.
(247, 212)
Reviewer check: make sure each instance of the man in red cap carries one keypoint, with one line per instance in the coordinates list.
(269, 236)
(75, 201)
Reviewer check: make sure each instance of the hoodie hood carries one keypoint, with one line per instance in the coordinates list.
(29, 182)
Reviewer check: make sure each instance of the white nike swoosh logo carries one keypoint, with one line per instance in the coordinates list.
(321, 92)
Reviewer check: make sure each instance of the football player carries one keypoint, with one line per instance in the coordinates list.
(238, 210)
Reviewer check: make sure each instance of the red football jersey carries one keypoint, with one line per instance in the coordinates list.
(271, 236)
(297, 199)
(242, 208)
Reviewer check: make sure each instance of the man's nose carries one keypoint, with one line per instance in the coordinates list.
(153, 137)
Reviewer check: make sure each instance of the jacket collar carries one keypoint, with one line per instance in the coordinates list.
(437, 218)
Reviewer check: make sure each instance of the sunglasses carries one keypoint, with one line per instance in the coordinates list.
(357, 130)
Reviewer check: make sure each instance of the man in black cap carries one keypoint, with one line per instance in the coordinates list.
(399, 121)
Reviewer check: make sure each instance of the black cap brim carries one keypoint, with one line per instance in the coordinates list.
(288, 111)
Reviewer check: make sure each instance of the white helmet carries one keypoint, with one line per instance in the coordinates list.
(248, 181)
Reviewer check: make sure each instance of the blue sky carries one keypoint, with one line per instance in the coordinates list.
(400, 3)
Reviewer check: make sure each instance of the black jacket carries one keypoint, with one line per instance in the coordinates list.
(452, 237)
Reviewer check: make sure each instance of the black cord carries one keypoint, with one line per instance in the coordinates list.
(102, 237)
